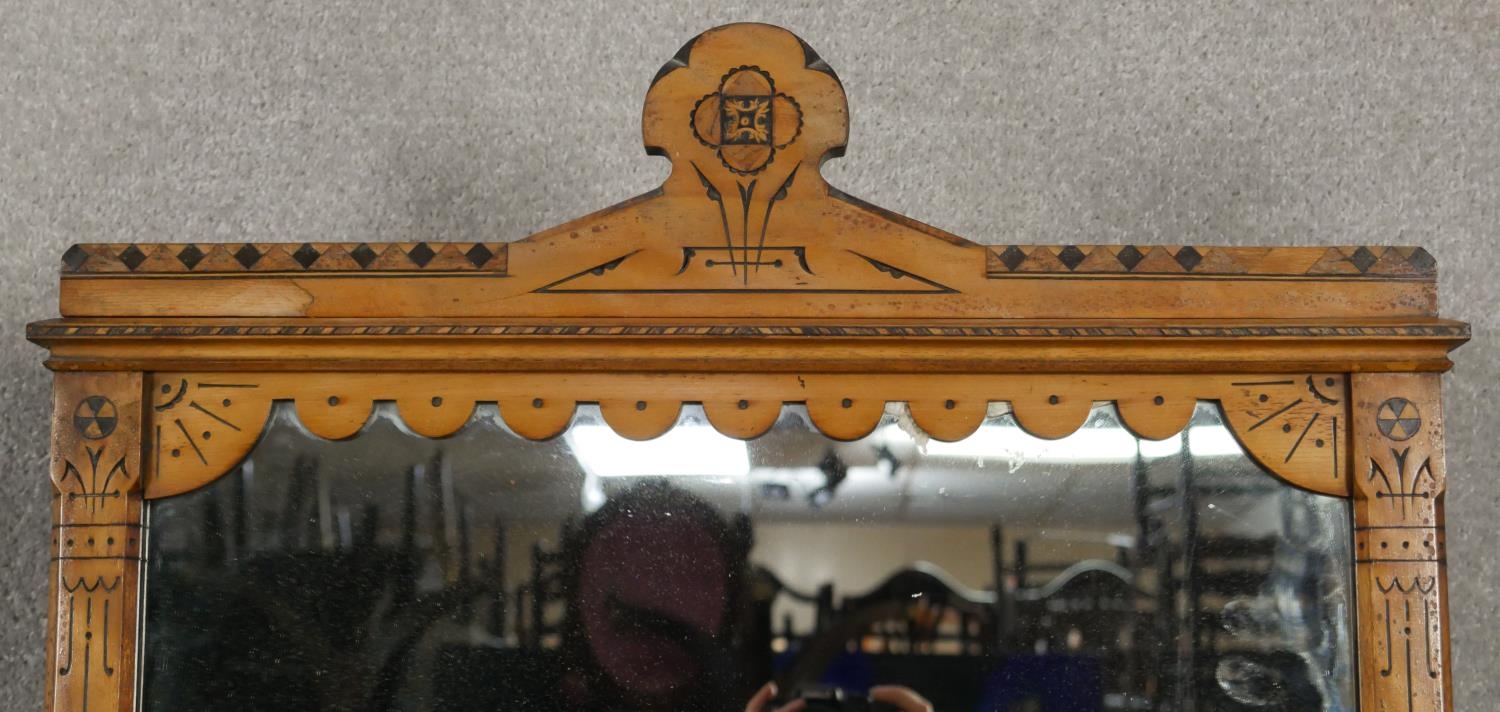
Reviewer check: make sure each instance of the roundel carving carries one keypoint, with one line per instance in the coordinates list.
(95, 417)
(1398, 419)
(746, 121)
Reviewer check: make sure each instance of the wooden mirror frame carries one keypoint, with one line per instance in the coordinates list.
(744, 283)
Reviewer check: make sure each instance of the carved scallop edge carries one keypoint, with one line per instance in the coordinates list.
(1295, 431)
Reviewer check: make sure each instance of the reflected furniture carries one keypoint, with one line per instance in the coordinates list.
(746, 283)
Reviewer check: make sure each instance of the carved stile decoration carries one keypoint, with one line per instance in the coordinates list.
(746, 282)
(1401, 572)
(96, 540)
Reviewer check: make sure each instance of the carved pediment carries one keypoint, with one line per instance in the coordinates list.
(746, 114)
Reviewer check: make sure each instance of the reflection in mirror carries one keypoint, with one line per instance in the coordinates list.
(590, 572)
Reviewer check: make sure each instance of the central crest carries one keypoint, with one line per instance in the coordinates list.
(747, 114)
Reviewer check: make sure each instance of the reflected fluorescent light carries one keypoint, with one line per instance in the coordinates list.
(683, 451)
(1213, 440)
(1009, 442)
(1164, 448)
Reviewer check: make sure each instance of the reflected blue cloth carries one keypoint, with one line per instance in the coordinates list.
(852, 672)
(1060, 683)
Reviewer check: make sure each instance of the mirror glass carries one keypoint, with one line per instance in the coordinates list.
(999, 573)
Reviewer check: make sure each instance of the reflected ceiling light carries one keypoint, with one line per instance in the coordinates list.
(682, 451)
(1213, 440)
(1009, 442)
(1163, 448)
(1205, 441)
(1086, 445)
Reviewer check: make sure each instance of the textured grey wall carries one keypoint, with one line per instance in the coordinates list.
(1194, 122)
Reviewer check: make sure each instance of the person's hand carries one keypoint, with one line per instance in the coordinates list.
(762, 699)
(902, 698)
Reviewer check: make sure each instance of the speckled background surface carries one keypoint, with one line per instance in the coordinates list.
(1173, 122)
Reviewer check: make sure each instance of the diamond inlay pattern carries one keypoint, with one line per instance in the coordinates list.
(273, 258)
(1082, 260)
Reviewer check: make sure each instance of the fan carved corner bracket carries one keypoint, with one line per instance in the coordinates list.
(199, 426)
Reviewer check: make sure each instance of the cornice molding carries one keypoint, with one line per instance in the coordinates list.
(57, 329)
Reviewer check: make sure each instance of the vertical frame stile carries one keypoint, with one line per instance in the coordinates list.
(1400, 557)
(95, 570)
